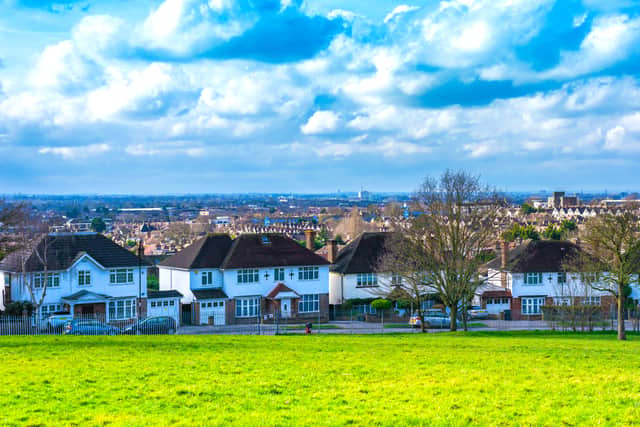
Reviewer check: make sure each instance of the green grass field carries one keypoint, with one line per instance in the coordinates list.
(403, 379)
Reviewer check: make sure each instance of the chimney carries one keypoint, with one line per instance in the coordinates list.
(504, 257)
(332, 251)
(311, 237)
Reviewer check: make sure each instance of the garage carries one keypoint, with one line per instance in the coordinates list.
(211, 303)
(212, 311)
(164, 303)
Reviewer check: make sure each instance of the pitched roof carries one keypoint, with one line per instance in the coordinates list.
(209, 293)
(163, 294)
(246, 251)
(207, 252)
(539, 256)
(280, 287)
(269, 250)
(362, 255)
(63, 250)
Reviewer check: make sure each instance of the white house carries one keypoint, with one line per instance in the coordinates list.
(87, 274)
(356, 273)
(230, 281)
(533, 275)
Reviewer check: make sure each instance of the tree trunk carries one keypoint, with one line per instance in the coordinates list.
(622, 335)
(452, 316)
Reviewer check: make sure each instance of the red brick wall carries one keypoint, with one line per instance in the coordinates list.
(230, 311)
(516, 309)
(195, 313)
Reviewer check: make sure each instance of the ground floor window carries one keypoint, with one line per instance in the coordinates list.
(593, 300)
(49, 309)
(211, 304)
(309, 303)
(122, 309)
(562, 301)
(532, 305)
(364, 308)
(497, 301)
(248, 307)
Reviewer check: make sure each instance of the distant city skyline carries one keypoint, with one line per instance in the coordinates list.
(293, 96)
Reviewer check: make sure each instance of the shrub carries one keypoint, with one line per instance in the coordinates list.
(381, 304)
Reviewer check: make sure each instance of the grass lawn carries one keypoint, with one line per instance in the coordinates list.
(407, 379)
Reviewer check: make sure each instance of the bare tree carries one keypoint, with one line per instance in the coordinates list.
(444, 245)
(34, 265)
(610, 257)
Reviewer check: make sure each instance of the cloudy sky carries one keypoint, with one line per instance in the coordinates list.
(317, 95)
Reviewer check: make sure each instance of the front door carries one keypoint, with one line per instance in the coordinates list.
(285, 307)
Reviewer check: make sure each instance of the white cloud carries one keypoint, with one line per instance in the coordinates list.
(79, 152)
(320, 122)
(399, 10)
(166, 149)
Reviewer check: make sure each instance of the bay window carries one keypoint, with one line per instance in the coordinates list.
(309, 303)
(532, 305)
(248, 307)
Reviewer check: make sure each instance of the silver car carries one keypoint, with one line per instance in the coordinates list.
(432, 319)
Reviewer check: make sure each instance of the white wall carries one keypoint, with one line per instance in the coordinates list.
(180, 280)
(550, 286)
(234, 289)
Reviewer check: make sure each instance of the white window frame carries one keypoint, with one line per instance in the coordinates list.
(84, 277)
(53, 280)
(562, 277)
(533, 279)
(531, 305)
(121, 276)
(122, 309)
(366, 280)
(308, 273)
(396, 279)
(247, 307)
(562, 300)
(207, 278)
(309, 303)
(278, 274)
(248, 275)
(592, 300)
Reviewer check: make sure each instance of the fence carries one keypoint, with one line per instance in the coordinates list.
(85, 325)
(336, 322)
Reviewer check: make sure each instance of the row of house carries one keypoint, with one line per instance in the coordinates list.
(255, 277)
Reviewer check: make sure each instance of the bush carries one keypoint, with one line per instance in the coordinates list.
(381, 304)
(16, 308)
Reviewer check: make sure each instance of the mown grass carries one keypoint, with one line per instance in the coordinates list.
(408, 379)
(314, 327)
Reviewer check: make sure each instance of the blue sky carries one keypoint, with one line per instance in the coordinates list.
(213, 96)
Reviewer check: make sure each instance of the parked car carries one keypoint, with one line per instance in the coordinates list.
(152, 326)
(432, 319)
(57, 321)
(89, 327)
(477, 312)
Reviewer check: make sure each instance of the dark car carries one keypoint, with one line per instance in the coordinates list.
(89, 327)
(153, 326)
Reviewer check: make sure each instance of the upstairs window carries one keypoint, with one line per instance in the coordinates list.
(396, 279)
(248, 276)
(121, 275)
(207, 278)
(533, 278)
(53, 280)
(84, 278)
(308, 273)
(562, 277)
(278, 274)
(366, 280)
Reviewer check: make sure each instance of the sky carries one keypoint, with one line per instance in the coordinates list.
(311, 96)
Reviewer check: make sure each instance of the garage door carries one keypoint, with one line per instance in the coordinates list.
(212, 308)
(164, 307)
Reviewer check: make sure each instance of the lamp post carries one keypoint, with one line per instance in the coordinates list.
(140, 254)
